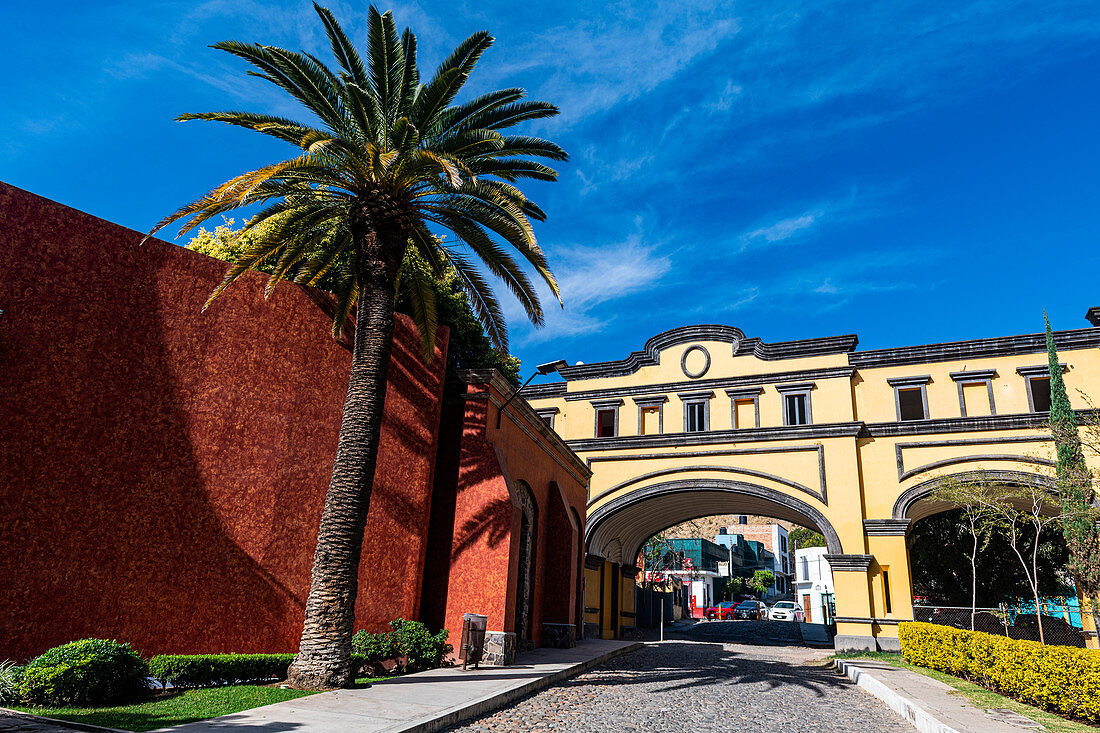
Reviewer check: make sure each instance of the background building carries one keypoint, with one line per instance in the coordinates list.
(814, 584)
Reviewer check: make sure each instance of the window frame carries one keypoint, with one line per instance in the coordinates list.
(794, 390)
(696, 398)
(547, 415)
(900, 383)
(599, 405)
(744, 393)
(644, 403)
(1029, 373)
(971, 377)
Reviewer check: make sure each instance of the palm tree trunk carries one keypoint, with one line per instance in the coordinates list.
(324, 657)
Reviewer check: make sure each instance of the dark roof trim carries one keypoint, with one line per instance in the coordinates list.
(541, 391)
(703, 395)
(741, 346)
(1092, 315)
(701, 384)
(909, 381)
(974, 375)
(1019, 421)
(1041, 370)
(744, 435)
(1034, 343)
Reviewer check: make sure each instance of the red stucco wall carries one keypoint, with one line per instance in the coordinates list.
(485, 547)
(163, 470)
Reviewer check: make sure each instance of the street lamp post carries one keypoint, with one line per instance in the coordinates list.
(542, 369)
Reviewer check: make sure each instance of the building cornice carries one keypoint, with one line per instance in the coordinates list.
(754, 380)
(742, 435)
(849, 563)
(1021, 421)
(885, 527)
(740, 346)
(1032, 343)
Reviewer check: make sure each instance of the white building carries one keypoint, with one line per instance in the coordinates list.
(813, 583)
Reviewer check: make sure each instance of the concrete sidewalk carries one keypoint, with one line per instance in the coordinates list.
(426, 701)
(929, 704)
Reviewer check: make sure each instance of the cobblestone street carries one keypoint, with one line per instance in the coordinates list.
(699, 686)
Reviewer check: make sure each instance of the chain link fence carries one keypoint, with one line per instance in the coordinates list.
(1061, 624)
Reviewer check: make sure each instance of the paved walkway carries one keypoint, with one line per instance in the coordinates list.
(702, 687)
(426, 701)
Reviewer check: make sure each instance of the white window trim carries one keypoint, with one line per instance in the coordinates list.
(900, 383)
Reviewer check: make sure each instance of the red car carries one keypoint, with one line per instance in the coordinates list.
(723, 611)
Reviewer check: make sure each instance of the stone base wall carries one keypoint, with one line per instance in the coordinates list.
(500, 648)
(591, 630)
(559, 636)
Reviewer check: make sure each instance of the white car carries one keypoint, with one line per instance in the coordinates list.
(787, 611)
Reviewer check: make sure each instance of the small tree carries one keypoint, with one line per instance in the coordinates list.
(1074, 480)
(805, 537)
(735, 586)
(761, 580)
(970, 497)
(1022, 509)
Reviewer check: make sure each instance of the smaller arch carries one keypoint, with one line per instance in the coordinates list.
(907, 500)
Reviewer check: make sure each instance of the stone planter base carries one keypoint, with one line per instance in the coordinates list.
(591, 630)
(559, 636)
(500, 648)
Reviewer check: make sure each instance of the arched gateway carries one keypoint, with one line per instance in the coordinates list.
(705, 420)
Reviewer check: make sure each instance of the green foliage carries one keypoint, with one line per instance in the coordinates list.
(469, 347)
(1075, 489)
(735, 586)
(805, 537)
(10, 675)
(939, 555)
(760, 581)
(86, 672)
(174, 707)
(210, 670)
(384, 161)
(409, 645)
(1065, 680)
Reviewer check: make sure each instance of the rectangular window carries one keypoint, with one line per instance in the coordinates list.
(795, 409)
(911, 404)
(605, 422)
(1040, 394)
(650, 421)
(695, 417)
(975, 397)
(886, 589)
(744, 414)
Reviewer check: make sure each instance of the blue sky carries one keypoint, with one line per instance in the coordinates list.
(910, 172)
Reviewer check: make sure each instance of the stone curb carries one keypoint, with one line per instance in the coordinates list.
(63, 723)
(921, 719)
(489, 703)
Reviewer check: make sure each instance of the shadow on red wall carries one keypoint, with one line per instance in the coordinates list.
(164, 470)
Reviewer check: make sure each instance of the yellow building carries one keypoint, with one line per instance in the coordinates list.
(704, 420)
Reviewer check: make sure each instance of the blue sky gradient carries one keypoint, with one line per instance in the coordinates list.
(910, 172)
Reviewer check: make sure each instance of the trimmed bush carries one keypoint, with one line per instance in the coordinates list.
(83, 673)
(409, 645)
(1062, 679)
(211, 670)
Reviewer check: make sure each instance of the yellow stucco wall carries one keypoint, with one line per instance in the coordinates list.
(855, 461)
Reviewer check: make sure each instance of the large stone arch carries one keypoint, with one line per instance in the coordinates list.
(631, 519)
(913, 504)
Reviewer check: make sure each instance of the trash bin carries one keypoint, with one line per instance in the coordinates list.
(473, 638)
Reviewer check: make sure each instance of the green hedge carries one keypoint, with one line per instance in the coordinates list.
(207, 670)
(85, 672)
(1062, 679)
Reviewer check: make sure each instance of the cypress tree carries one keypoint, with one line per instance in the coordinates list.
(1075, 488)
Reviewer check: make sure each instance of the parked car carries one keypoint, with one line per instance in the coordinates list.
(722, 611)
(787, 611)
(755, 610)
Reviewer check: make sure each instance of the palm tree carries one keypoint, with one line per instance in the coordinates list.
(390, 166)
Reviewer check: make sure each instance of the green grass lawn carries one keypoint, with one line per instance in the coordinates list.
(173, 708)
(979, 696)
(176, 708)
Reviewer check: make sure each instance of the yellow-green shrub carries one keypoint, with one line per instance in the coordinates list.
(1062, 679)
